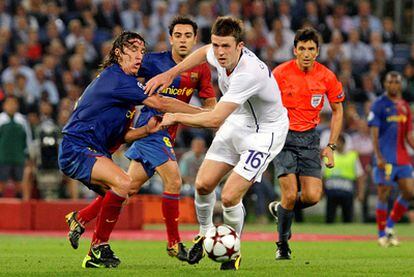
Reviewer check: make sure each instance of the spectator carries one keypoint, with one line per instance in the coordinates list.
(131, 18)
(389, 34)
(46, 89)
(15, 137)
(5, 18)
(342, 183)
(339, 20)
(364, 13)
(189, 164)
(75, 34)
(358, 52)
(107, 16)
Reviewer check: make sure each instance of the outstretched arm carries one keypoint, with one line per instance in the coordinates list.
(210, 119)
(163, 80)
(168, 104)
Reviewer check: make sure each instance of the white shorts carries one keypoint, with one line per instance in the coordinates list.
(249, 152)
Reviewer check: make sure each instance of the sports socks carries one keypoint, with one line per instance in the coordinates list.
(285, 218)
(170, 212)
(91, 211)
(399, 209)
(381, 212)
(204, 208)
(107, 218)
(234, 217)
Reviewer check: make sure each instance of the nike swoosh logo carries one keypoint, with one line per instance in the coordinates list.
(97, 254)
(110, 221)
(245, 168)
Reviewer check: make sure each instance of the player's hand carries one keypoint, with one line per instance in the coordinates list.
(159, 83)
(381, 163)
(154, 124)
(328, 158)
(168, 119)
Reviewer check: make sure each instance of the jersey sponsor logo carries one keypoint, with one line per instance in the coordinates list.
(178, 91)
(397, 118)
(316, 100)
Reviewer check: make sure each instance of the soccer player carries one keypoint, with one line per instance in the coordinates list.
(252, 126)
(391, 127)
(303, 83)
(155, 152)
(97, 127)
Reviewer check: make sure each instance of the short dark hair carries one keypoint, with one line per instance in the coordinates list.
(119, 43)
(182, 20)
(228, 26)
(307, 34)
(395, 74)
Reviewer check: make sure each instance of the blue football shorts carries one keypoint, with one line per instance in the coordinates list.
(391, 174)
(77, 160)
(151, 151)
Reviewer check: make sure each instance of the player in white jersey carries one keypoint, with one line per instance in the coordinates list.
(253, 126)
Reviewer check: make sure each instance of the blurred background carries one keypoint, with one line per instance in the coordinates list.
(50, 51)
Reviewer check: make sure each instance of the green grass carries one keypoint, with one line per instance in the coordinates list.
(26, 256)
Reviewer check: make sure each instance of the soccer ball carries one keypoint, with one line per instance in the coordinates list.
(222, 243)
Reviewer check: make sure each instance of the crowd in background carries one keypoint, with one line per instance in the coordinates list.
(51, 50)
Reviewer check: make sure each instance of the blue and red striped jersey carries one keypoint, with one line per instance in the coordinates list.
(394, 122)
(193, 81)
(104, 112)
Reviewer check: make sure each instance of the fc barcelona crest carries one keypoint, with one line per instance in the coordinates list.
(194, 77)
(316, 100)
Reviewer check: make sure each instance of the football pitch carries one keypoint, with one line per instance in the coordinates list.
(31, 255)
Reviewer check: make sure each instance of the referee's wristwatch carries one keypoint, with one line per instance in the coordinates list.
(332, 146)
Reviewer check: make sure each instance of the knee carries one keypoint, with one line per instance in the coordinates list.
(173, 185)
(203, 187)
(312, 197)
(383, 194)
(125, 185)
(228, 201)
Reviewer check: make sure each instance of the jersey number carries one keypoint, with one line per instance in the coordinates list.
(167, 141)
(254, 158)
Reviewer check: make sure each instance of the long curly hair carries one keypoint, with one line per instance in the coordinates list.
(119, 43)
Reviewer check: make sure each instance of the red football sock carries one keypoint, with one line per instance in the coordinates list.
(107, 218)
(170, 211)
(91, 211)
(381, 212)
(399, 209)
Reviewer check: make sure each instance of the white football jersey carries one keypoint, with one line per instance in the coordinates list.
(253, 87)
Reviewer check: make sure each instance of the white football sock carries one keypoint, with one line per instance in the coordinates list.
(234, 217)
(204, 207)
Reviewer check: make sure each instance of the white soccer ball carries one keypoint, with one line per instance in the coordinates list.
(222, 243)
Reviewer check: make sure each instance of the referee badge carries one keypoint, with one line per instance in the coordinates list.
(316, 100)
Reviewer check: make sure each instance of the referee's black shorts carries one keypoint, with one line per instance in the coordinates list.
(300, 155)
